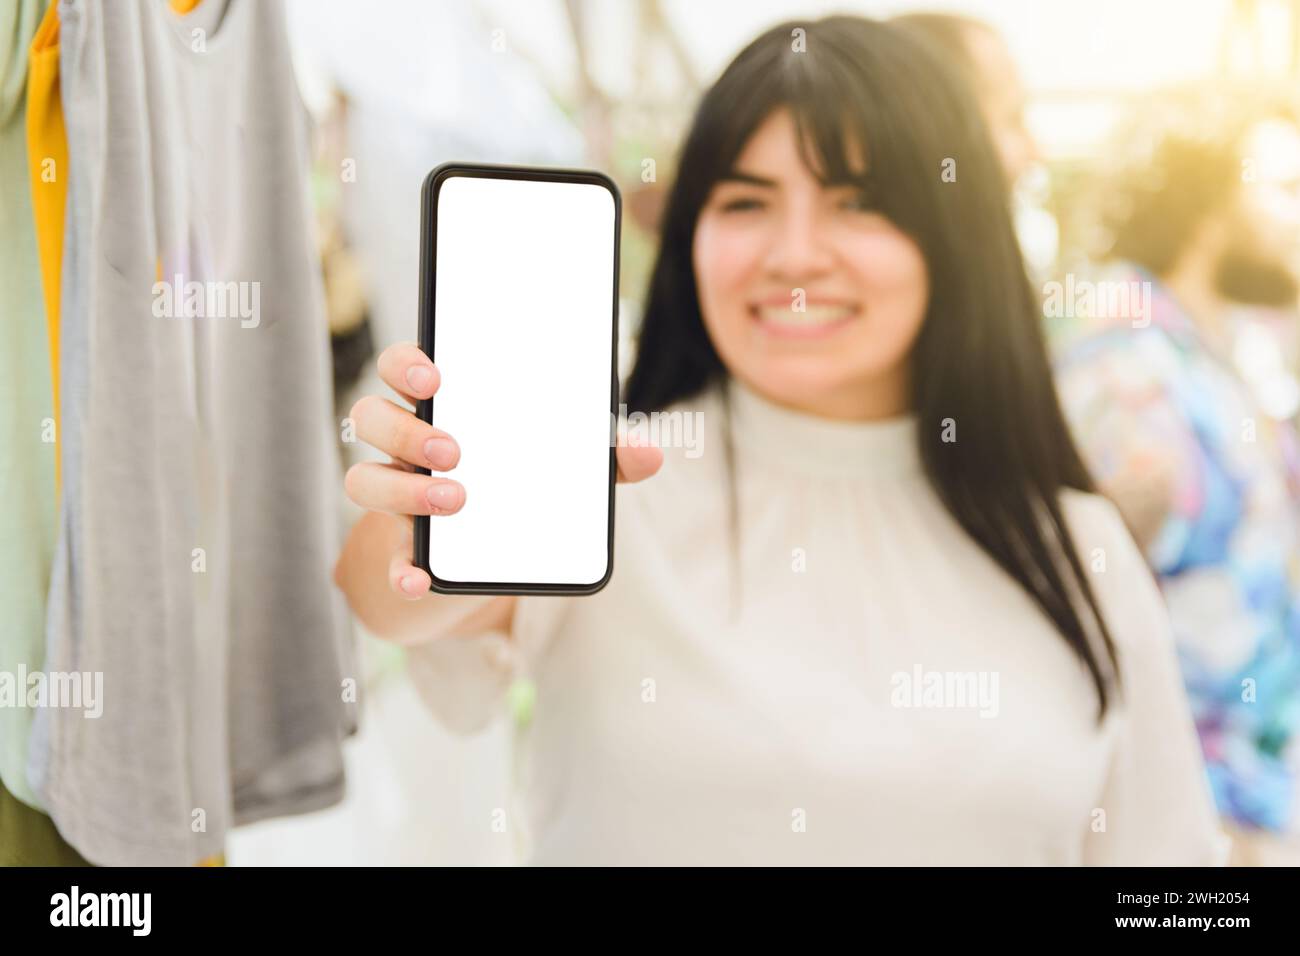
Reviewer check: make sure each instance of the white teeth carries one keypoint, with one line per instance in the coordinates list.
(812, 315)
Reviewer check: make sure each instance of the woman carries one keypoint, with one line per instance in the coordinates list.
(877, 617)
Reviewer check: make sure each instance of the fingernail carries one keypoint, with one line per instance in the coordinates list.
(410, 585)
(420, 378)
(440, 452)
(445, 497)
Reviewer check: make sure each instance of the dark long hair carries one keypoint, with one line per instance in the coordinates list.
(979, 359)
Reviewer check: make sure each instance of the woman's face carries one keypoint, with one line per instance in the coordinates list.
(810, 299)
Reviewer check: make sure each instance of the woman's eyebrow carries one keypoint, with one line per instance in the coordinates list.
(740, 176)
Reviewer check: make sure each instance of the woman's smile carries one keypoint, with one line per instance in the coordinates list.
(817, 320)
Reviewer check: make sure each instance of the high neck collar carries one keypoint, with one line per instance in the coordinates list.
(800, 441)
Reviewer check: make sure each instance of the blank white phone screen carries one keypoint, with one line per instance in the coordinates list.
(523, 337)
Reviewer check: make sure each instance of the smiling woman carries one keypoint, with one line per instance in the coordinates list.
(818, 170)
(905, 660)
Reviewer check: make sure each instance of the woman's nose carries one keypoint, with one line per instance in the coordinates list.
(798, 247)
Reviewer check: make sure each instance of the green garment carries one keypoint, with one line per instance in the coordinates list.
(27, 451)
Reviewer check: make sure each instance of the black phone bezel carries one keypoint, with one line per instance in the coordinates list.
(424, 408)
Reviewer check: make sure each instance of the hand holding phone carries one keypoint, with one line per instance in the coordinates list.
(398, 489)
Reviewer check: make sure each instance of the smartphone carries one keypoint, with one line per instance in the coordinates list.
(519, 311)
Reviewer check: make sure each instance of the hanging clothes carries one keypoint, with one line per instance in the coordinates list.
(198, 525)
(27, 427)
(28, 409)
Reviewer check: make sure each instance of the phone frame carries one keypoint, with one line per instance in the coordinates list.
(424, 408)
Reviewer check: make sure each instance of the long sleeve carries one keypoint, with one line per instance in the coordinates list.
(463, 680)
(1157, 804)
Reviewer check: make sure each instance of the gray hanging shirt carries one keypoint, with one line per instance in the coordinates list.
(200, 512)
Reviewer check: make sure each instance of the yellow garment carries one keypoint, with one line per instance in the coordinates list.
(47, 160)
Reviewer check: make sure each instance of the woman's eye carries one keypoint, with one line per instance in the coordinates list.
(742, 205)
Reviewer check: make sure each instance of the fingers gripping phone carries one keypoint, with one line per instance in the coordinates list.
(519, 311)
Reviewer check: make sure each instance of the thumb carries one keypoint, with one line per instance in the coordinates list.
(637, 462)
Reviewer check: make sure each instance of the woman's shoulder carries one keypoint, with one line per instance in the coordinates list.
(1115, 568)
(1101, 537)
(1091, 514)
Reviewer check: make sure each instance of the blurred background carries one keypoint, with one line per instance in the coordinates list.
(398, 86)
